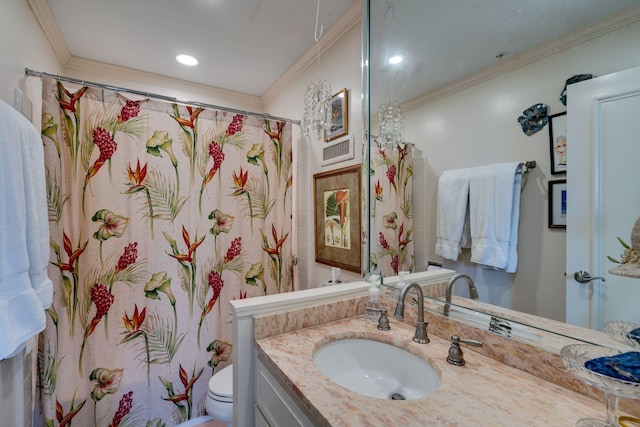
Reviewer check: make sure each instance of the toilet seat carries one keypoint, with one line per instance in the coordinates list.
(221, 385)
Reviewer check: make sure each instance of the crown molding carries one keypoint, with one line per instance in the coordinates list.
(559, 44)
(51, 30)
(78, 67)
(352, 16)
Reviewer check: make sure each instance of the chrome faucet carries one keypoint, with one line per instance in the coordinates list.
(473, 293)
(421, 327)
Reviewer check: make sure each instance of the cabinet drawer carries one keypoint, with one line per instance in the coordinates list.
(275, 404)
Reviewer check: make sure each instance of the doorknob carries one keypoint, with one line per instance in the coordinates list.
(585, 277)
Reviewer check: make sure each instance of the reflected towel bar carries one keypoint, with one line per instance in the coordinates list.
(525, 167)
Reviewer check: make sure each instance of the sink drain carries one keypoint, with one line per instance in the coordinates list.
(396, 396)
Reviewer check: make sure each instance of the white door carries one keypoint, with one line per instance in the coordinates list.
(603, 195)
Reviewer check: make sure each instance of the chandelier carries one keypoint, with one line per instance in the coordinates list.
(317, 98)
(390, 122)
(390, 116)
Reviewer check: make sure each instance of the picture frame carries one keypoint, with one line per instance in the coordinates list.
(558, 143)
(339, 116)
(558, 203)
(337, 218)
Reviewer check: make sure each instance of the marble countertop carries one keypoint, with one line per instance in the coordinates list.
(483, 392)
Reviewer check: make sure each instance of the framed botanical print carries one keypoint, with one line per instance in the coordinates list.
(337, 213)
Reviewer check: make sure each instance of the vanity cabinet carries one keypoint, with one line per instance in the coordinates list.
(275, 406)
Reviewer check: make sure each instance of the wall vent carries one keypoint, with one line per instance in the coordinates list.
(338, 151)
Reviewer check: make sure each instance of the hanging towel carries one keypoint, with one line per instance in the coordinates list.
(494, 208)
(25, 288)
(453, 195)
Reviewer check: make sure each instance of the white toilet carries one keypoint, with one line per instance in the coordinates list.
(219, 402)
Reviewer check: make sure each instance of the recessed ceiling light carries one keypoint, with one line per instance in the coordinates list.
(187, 60)
(396, 59)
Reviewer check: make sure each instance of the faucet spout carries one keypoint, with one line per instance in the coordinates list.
(421, 327)
(473, 292)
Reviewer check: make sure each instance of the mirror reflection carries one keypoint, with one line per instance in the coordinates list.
(452, 80)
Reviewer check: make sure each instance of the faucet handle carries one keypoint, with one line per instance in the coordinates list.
(456, 356)
(383, 321)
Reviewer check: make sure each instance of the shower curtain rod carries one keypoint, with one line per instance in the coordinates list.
(30, 72)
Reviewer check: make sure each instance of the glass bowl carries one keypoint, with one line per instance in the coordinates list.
(621, 331)
(574, 357)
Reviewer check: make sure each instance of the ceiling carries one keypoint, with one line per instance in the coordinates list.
(246, 45)
(242, 45)
(443, 42)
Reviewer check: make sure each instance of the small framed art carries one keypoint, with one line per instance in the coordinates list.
(339, 116)
(558, 203)
(558, 143)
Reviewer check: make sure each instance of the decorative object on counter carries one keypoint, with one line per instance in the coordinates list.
(390, 123)
(558, 203)
(533, 119)
(337, 218)
(623, 366)
(625, 332)
(317, 98)
(558, 143)
(456, 356)
(571, 80)
(626, 421)
(576, 357)
(339, 125)
(630, 259)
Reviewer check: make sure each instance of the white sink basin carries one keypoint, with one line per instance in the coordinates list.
(376, 369)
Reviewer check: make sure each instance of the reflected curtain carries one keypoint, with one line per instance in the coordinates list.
(160, 214)
(391, 171)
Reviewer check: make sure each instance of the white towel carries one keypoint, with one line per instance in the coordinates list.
(494, 207)
(25, 288)
(453, 194)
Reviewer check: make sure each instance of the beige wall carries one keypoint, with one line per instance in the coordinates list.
(479, 126)
(340, 65)
(22, 44)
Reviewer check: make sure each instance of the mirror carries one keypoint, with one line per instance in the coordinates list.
(469, 69)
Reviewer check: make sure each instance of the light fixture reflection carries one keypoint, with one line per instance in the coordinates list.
(187, 60)
(395, 59)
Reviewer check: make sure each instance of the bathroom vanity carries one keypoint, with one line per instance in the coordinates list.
(518, 380)
(482, 392)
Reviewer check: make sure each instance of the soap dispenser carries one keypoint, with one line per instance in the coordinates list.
(373, 304)
(400, 285)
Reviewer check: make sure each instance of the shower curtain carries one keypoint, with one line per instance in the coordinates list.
(391, 172)
(160, 214)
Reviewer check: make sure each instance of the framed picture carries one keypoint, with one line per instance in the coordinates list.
(558, 143)
(337, 218)
(339, 116)
(558, 203)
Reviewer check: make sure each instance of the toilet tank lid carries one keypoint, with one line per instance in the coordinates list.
(221, 383)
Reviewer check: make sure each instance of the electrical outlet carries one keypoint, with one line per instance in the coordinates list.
(17, 99)
(22, 103)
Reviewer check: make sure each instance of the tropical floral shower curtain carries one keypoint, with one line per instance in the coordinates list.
(391, 172)
(160, 215)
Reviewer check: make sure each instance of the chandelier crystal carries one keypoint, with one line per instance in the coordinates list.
(317, 98)
(390, 122)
